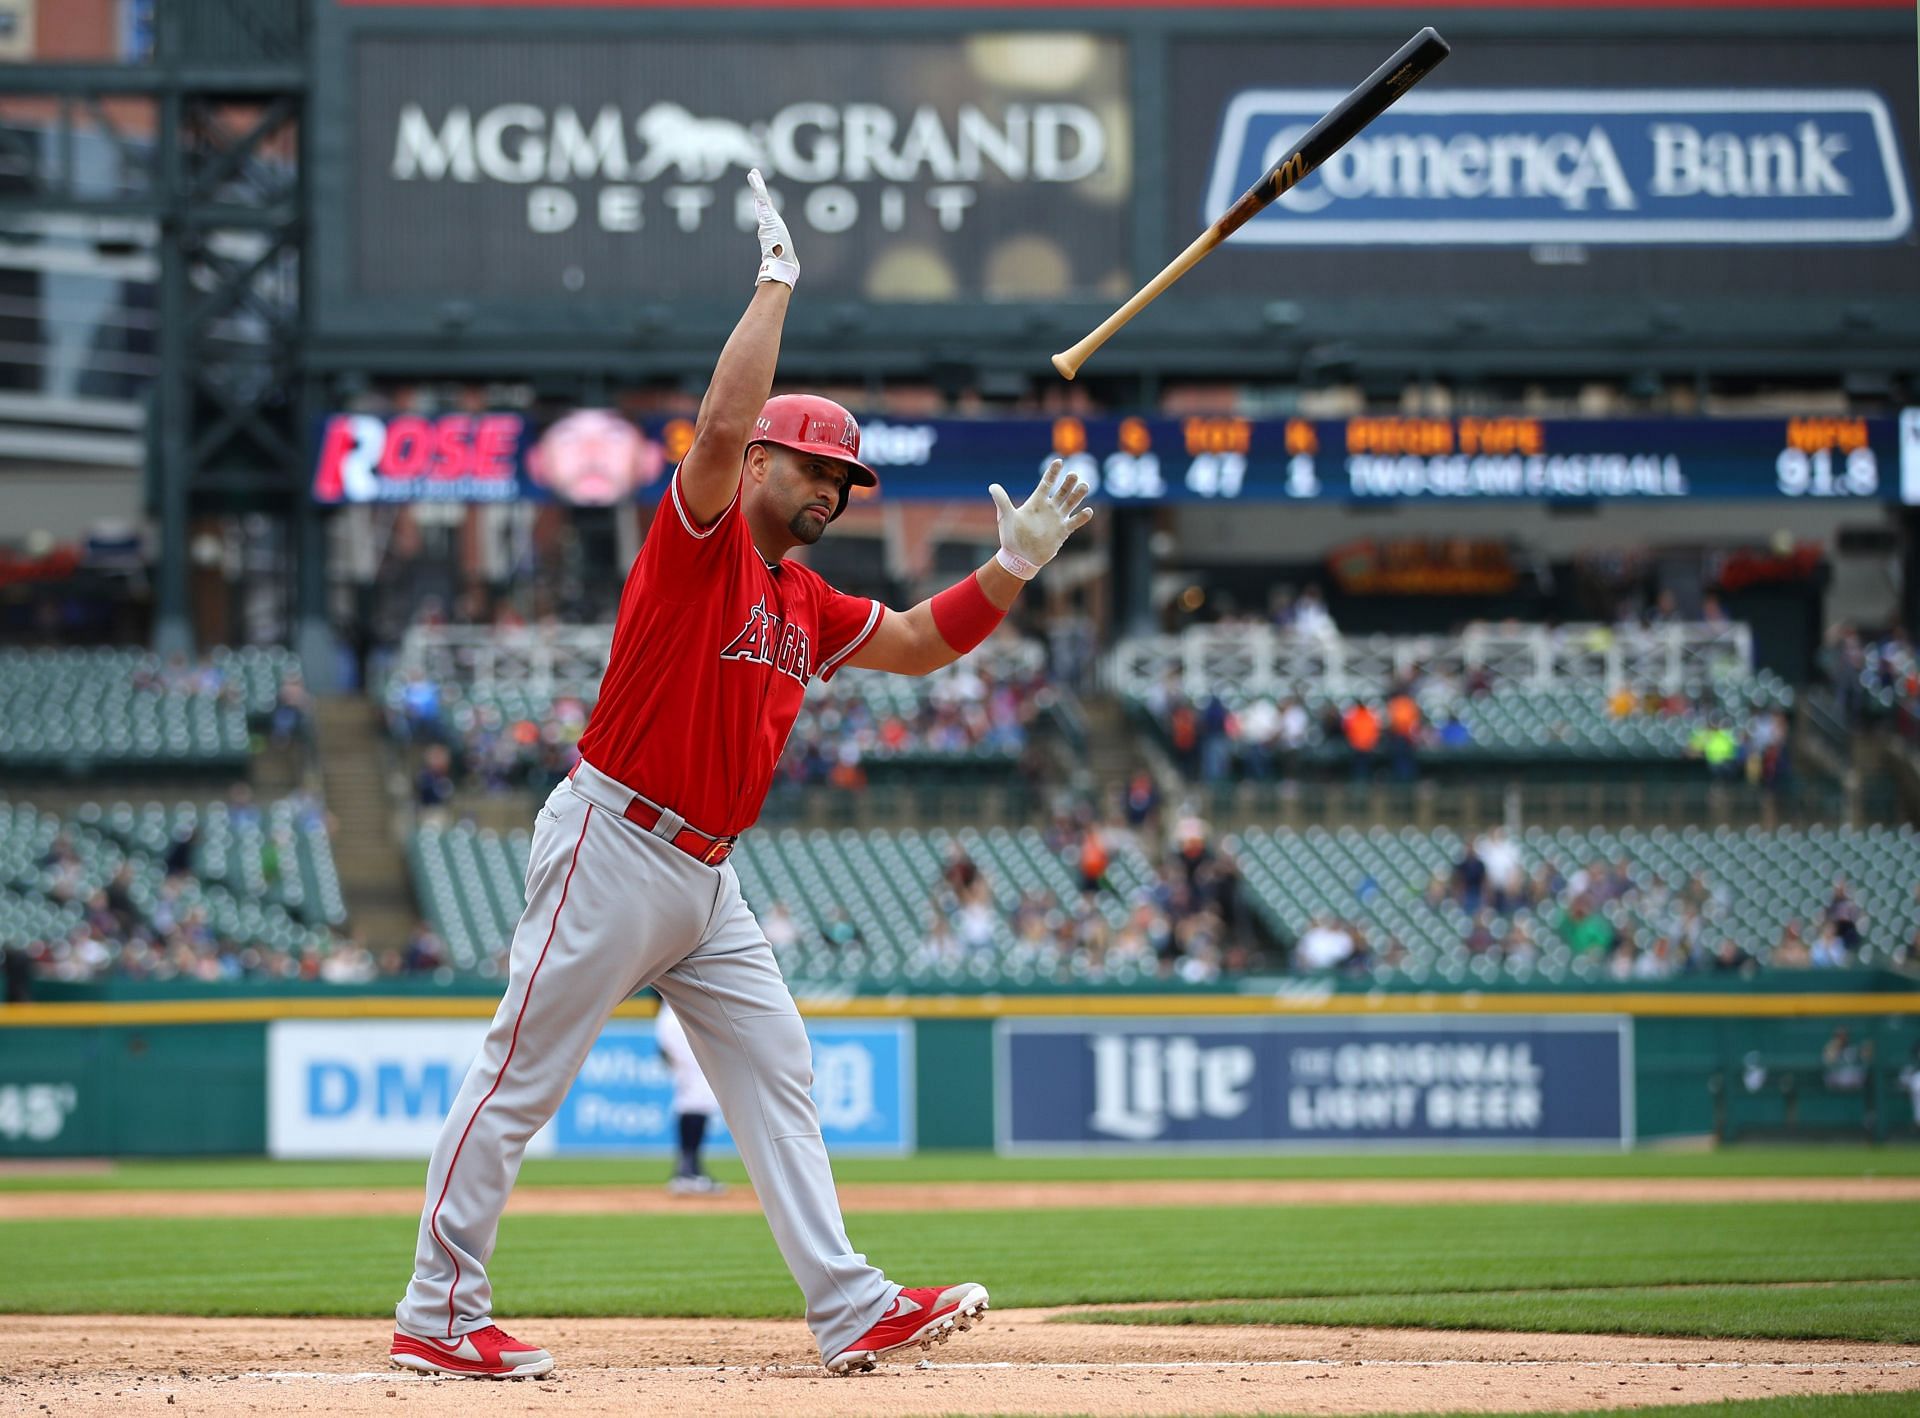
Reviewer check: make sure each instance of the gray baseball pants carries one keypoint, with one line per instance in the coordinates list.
(611, 908)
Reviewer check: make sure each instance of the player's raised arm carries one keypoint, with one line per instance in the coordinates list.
(710, 473)
(942, 628)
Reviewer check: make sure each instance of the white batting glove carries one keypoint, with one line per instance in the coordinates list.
(777, 262)
(1033, 533)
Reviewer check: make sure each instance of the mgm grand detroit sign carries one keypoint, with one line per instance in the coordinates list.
(843, 164)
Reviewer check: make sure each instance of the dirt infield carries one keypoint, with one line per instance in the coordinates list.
(979, 1196)
(1013, 1362)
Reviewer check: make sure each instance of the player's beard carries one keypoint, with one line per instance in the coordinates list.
(806, 528)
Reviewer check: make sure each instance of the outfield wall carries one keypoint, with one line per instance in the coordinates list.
(372, 1076)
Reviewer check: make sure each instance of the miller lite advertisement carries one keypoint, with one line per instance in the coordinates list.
(1075, 1085)
(577, 167)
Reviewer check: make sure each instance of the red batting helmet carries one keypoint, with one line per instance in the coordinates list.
(808, 423)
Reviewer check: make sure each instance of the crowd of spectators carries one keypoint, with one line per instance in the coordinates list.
(1271, 737)
(289, 719)
(1872, 673)
(1187, 920)
(967, 711)
(125, 932)
(1595, 912)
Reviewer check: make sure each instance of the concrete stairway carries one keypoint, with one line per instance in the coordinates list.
(370, 858)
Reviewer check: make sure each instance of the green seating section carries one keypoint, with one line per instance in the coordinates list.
(81, 710)
(884, 695)
(1564, 724)
(470, 885)
(289, 906)
(1377, 879)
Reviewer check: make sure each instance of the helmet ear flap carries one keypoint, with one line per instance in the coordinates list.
(846, 491)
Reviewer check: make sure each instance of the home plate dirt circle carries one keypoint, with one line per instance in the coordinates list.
(1012, 1362)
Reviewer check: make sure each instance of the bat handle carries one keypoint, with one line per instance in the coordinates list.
(1068, 361)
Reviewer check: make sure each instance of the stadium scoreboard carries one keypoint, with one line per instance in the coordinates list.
(1152, 460)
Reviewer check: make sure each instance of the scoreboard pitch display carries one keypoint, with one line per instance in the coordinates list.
(1472, 458)
(508, 456)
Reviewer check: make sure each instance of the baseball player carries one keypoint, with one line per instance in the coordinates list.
(693, 1105)
(628, 883)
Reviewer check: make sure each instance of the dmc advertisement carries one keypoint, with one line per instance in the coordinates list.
(594, 457)
(382, 1088)
(613, 164)
(1770, 167)
(1077, 1085)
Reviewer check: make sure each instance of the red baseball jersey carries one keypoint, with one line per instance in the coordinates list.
(711, 657)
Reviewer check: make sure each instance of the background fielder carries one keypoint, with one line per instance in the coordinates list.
(628, 885)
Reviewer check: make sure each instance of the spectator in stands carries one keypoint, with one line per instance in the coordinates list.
(1296, 731)
(65, 872)
(1714, 744)
(1657, 962)
(1585, 930)
(1505, 873)
(1095, 859)
(1730, 959)
(1142, 800)
(1260, 736)
(1361, 728)
(1310, 619)
(1844, 915)
(424, 953)
(1403, 732)
(419, 709)
(243, 814)
(292, 707)
(178, 860)
(1326, 944)
(1790, 952)
(976, 922)
(1623, 961)
(1453, 733)
(1216, 740)
(1470, 880)
(433, 785)
(1830, 950)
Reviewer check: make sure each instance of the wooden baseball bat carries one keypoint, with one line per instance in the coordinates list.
(1411, 63)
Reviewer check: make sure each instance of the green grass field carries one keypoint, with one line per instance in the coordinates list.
(1736, 1269)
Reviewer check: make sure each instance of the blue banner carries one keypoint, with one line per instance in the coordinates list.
(1208, 1084)
(862, 1084)
(595, 457)
(1647, 167)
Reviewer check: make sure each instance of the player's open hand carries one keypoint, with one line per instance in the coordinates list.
(777, 261)
(1033, 533)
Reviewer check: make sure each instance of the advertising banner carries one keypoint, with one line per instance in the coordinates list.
(382, 1088)
(1696, 166)
(862, 1085)
(593, 457)
(1078, 1085)
(585, 166)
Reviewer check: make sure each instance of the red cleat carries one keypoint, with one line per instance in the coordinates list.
(919, 1319)
(489, 1353)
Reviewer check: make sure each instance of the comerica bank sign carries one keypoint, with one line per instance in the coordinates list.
(1630, 166)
